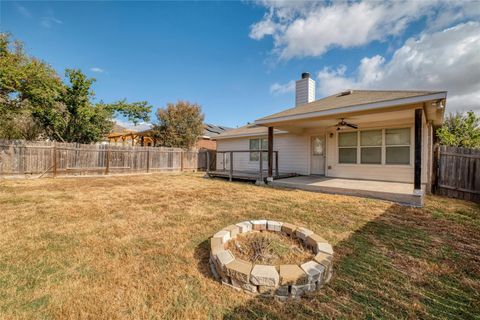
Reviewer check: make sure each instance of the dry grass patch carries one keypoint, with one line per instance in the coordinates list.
(137, 248)
(271, 248)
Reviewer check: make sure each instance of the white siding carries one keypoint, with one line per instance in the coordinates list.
(294, 153)
(397, 173)
(293, 150)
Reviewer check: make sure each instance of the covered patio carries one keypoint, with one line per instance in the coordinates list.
(384, 190)
(364, 143)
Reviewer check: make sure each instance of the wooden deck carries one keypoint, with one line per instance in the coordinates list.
(248, 175)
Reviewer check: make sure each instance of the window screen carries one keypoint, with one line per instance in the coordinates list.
(397, 142)
(371, 147)
(347, 147)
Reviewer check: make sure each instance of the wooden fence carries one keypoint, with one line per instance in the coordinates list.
(457, 173)
(53, 159)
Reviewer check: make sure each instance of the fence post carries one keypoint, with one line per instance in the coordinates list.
(148, 160)
(54, 159)
(107, 168)
(181, 161)
(208, 161)
(231, 166)
(261, 165)
(435, 166)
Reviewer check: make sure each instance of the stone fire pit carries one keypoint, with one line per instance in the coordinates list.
(281, 281)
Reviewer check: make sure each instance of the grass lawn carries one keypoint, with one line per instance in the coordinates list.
(137, 248)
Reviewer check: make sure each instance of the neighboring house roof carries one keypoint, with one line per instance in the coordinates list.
(246, 131)
(209, 131)
(354, 98)
(212, 130)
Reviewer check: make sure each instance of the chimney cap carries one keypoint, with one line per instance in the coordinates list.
(305, 75)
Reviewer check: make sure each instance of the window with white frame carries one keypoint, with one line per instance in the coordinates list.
(379, 146)
(371, 147)
(397, 146)
(258, 144)
(347, 147)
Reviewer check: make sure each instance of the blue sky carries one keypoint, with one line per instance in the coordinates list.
(238, 59)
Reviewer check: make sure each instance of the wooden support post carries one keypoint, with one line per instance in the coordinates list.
(276, 164)
(54, 159)
(270, 152)
(224, 160)
(148, 160)
(418, 150)
(107, 156)
(181, 160)
(231, 166)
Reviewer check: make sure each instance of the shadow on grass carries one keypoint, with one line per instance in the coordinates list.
(202, 255)
(407, 263)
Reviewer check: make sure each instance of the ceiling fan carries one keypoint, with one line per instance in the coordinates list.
(342, 124)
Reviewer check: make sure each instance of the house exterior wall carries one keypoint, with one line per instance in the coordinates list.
(294, 152)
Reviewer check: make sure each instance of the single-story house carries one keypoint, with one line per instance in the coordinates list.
(358, 137)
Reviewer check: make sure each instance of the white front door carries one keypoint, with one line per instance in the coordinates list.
(317, 162)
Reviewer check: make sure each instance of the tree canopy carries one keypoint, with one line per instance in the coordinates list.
(460, 130)
(36, 104)
(179, 124)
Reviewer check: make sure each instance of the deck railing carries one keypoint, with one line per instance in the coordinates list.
(231, 160)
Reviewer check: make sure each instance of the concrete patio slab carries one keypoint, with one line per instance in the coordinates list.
(384, 190)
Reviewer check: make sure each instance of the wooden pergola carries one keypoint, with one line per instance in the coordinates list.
(141, 138)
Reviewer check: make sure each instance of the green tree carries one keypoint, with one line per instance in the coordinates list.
(460, 130)
(26, 85)
(80, 120)
(36, 104)
(179, 125)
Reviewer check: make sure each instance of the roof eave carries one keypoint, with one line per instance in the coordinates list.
(244, 135)
(355, 108)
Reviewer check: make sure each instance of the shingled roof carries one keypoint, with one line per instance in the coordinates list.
(347, 99)
(212, 130)
(247, 130)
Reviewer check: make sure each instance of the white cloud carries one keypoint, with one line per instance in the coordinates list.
(49, 20)
(307, 28)
(24, 11)
(96, 69)
(277, 88)
(141, 126)
(442, 60)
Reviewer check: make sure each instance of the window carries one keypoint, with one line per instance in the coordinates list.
(257, 144)
(397, 144)
(371, 147)
(380, 146)
(347, 147)
(317, 146)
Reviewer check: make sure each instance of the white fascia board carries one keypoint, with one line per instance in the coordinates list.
(245, 135)
(354, 108)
